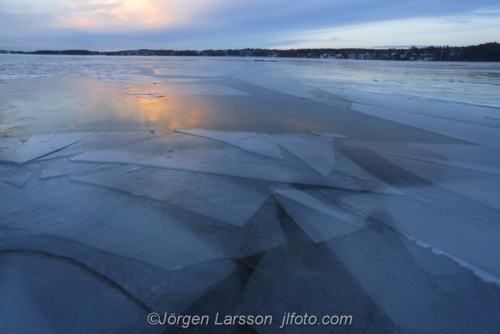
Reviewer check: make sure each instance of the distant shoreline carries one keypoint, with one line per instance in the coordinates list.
(488, 52)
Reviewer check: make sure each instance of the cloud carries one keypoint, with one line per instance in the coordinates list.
(201, 24)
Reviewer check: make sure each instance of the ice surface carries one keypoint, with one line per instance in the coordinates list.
(100, 140)
(65, 167)
(124, 78)
(480, 187)
(150, 97)
(476, 158)
(328, 134)
(284, 86)
(191, 89)
(320, 220)
(473, 133)
(317, 152)
(254, 142)
(134, 168)
(58, 297)
(41, 145)
(233, 201)
(462, 228)
(18, 180)
(197, 154)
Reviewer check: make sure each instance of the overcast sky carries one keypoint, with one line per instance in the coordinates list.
(223, 24)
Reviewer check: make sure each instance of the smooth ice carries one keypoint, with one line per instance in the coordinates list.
(64, 167)
(329, 134)
(319, 219)
(230, 200)
(39, 146)
(258, 143)
(472, 157)
(18, 180)
(317, 152)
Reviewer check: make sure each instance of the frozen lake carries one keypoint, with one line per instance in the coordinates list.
(199, 186)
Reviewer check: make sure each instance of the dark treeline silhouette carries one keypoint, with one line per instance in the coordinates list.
(481, 52)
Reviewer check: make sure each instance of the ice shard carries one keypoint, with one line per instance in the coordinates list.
(254, 142)
(18, 180)
(317, 152)
(41, 145)
(319, 219)
(230, 200)
(473, 157)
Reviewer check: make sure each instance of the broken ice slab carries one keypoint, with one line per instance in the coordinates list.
(467, 230)
(378, 261)
(132, 232)
(319, 220)
(480, 187)
(328, 134)
(254, 142)
(473, 157)
(197, 154)
(65, 167)
(317, 152)
(18, 180)
(230, 200)
(473, 133)
(41, 145)
(101, 140)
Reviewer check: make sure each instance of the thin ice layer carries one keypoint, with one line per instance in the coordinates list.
(462, 228)
(18, 180)
(473, 133)
(319, 220)
(254, 142)
(100, 140)
(41, 145)
(192, 89)
(317, 152)
(123, 78)
(233, 201)
(473, 157)
(64, 167)
(197, 154)
(328, 134)
(479, 187)
(125, 233)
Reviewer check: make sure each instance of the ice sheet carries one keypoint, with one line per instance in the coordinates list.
(462, 228)
(320, 220)
(18, 180)
(328, 134)
(64, 167)
(197, 154)
(473, 133)
(230, 200)
(192, 89)
(317, 152)
(41, 145)
(254, 142)
(476, 158)
(124, 78)
(479, 187)
(284, 86)
(100, 140)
